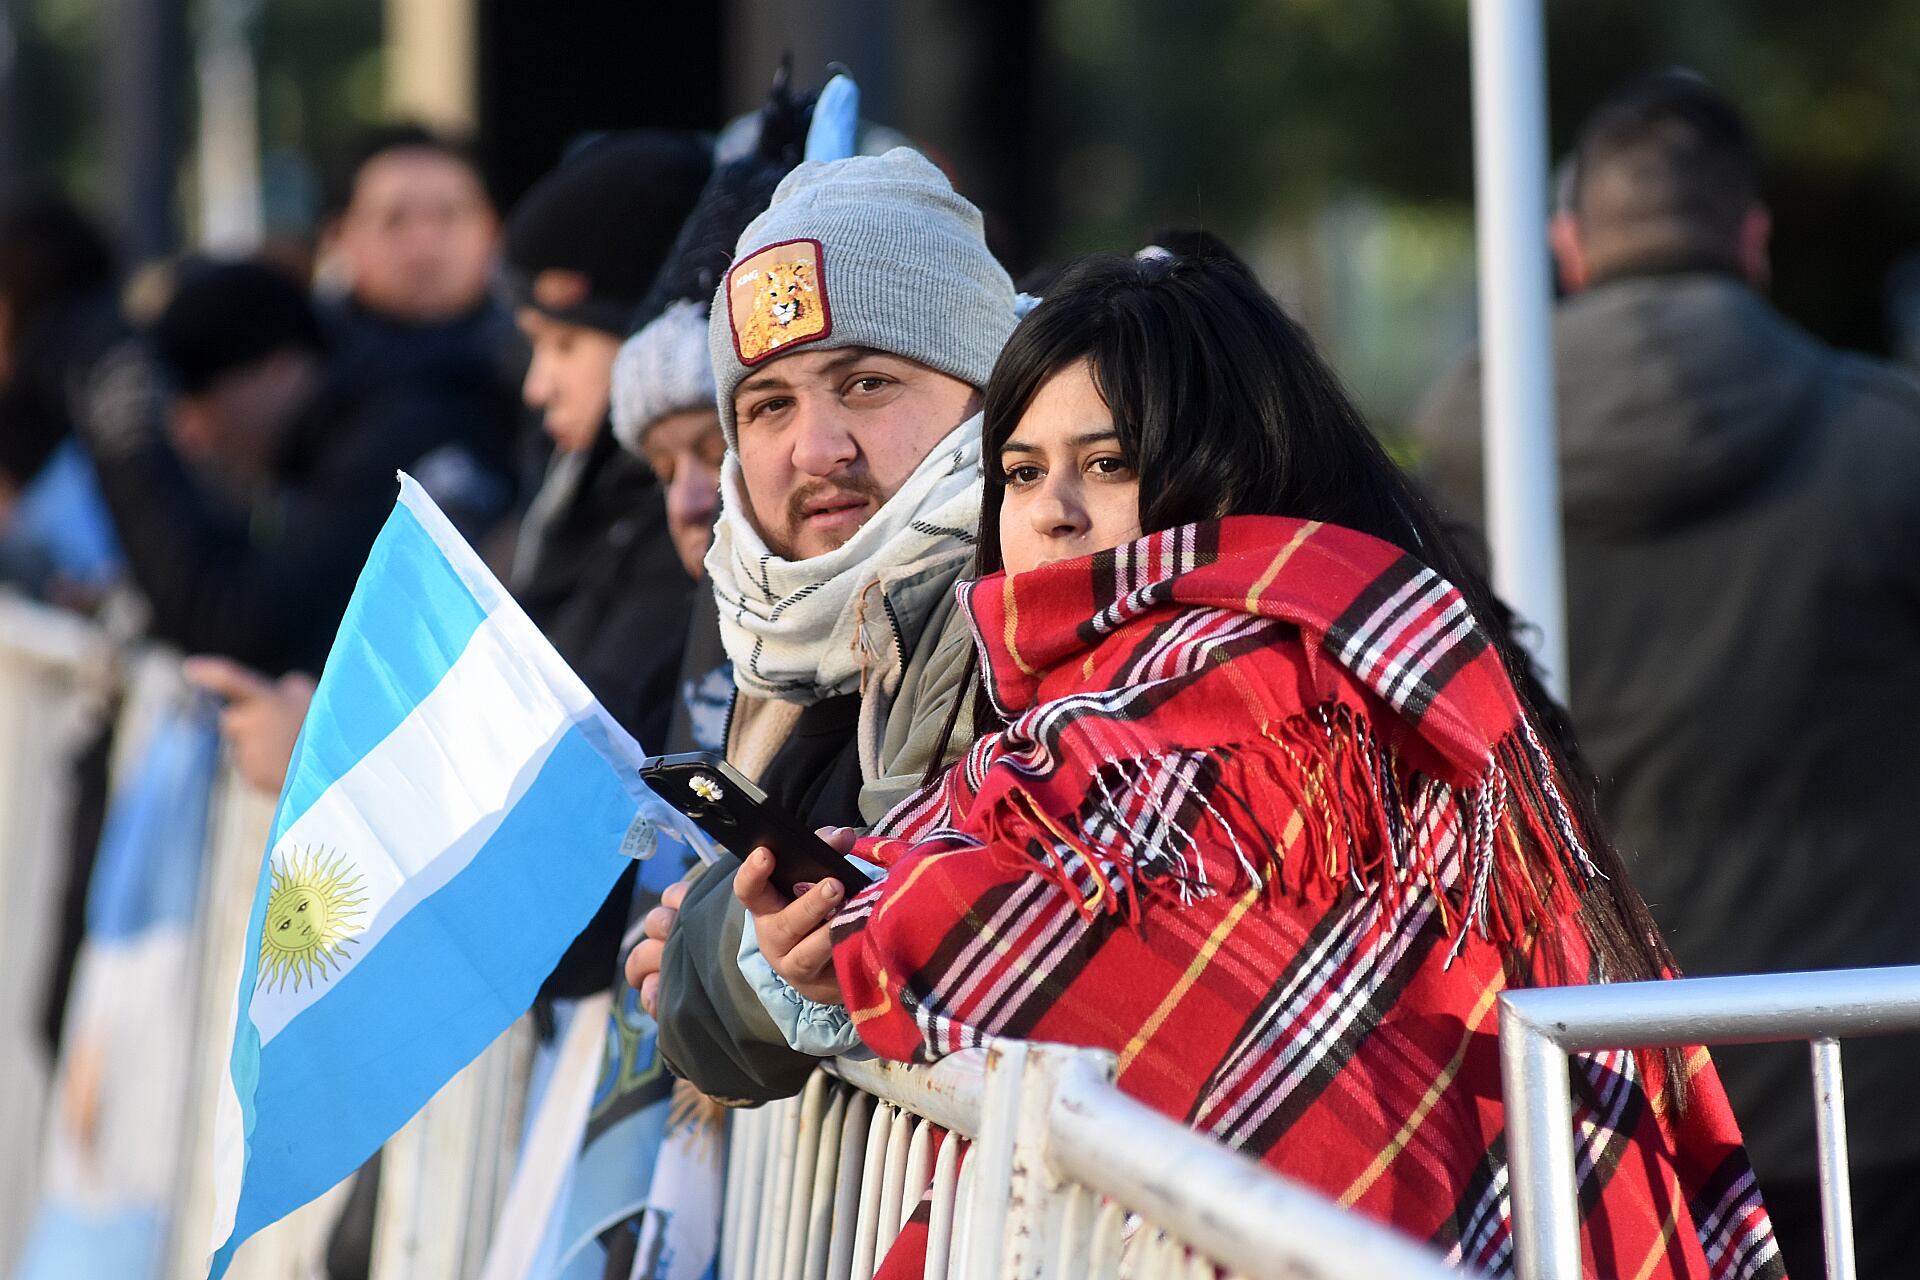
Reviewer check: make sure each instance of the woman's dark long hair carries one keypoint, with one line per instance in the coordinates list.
(1223, 407)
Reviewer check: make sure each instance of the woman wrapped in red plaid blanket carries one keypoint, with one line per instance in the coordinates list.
(1265, 799)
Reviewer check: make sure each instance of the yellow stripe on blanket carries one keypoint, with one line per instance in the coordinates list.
(1364, 1183)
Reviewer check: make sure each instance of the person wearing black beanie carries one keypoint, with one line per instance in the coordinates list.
(595, 566)
(582, 248)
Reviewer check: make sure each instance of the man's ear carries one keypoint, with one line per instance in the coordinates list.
(1569, 254)
(1756, 241)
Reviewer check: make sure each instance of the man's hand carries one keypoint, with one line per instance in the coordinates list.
(793, 933)
(643, 962)
(262, 718)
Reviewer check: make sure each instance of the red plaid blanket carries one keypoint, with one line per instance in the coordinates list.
(1255, 826)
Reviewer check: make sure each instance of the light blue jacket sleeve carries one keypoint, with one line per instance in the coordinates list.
(823, 1030)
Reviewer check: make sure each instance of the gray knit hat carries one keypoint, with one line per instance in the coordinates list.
(870, 251)
(662, 369)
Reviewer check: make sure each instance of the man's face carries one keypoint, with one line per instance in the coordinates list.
(570, 378)
(233, 428)
(685, 451)
(826, 437)
(419, 237)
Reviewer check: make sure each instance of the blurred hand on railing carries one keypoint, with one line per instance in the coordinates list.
(85, 1065)
(262, 718)
(793, 932)
(643, 962)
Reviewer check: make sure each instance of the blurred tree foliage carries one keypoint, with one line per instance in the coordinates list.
(1246, 115)
(321, 84)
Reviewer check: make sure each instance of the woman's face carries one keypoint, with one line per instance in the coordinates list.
(1069, 489)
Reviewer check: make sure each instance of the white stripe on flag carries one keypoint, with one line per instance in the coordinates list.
(413, 812)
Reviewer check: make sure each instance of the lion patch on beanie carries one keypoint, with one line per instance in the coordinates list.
(777, 298)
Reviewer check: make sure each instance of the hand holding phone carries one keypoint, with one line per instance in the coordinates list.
(793, 932)
(740, 818)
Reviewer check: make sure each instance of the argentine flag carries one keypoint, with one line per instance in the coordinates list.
(457, 807)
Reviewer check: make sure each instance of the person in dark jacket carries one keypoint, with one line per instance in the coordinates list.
(596, 567)
(1742, 514)
(58, 316)
(260, 570)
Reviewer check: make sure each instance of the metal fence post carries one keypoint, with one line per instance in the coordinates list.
(1018, 1199)
(1535, 1082)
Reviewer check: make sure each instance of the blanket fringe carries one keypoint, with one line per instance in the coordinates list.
(1188, 824)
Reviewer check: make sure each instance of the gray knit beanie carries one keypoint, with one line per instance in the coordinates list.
(661, 370)
(870, 251)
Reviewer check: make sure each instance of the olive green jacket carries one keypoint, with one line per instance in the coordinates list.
(713, 1028)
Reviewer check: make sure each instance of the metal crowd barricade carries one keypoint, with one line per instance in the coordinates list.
(55, 676)
(1046, 1169)
(443, 1175)
(1539, 1028)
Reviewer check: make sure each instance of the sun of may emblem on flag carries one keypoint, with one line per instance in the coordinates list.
(313, 911)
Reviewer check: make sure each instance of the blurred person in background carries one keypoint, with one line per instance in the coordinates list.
(1742, 514)
(249, 465)
(413, 234)
(407, 259)
(58, 316)
(596, 567)
(663, 413)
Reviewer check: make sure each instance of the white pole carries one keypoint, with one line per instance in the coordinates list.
(1510, 204)
(231, 213)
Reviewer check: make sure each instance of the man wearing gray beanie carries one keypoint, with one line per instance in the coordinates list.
(851, 338)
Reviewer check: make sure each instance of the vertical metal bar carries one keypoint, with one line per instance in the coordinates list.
(770, 1233)
(12, 161)
(1510, 206)
(946, 1187)
(228, 143)
(146, 41)
(1076, 1220)
(753, 1188)
(990, 1162)
(799, 1177)
(431, 63)
(966, 1223)
(846, 1187)
(1546, 1218)
(826, 1167)
(1830, 1128)
(1109, 1239)
(740, 1138)
(872, 1174)
(919, 1167)
(893, 1185)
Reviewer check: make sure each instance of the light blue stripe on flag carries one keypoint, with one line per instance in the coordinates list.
(456, 811)
(384, 661)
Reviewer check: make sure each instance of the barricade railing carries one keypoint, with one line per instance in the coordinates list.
(1540, 1027)
(54, 684)
(1045, 1169)
(446, 1172)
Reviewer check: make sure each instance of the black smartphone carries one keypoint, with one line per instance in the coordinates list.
(740, 818)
